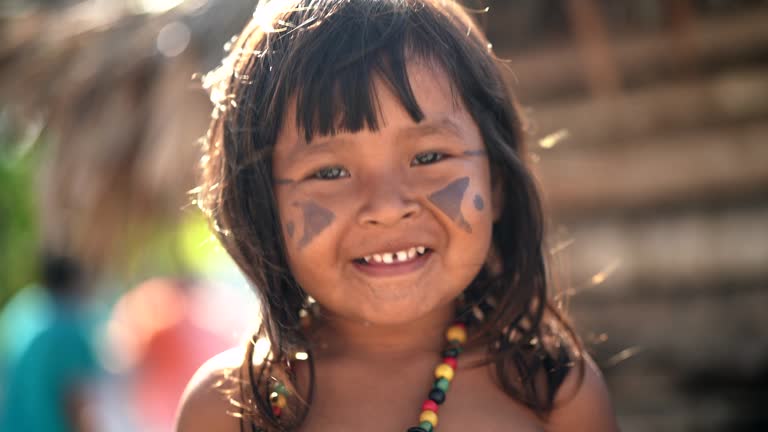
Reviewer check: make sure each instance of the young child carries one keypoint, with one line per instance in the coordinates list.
(366, 170)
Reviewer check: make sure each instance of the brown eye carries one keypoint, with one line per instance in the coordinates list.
(427, 158)
(330, 173)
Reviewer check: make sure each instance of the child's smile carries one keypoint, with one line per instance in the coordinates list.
(395, 263)
(388, 225)
(401, 256)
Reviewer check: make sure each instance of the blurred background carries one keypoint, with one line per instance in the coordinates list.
(647, 126)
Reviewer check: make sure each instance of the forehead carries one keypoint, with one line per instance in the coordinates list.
(432, 90)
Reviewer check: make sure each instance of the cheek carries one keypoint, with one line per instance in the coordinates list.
(304, 224)
(462, 201)
(449, 200)
(304, 221)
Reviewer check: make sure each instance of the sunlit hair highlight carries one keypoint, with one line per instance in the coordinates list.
(326, 54)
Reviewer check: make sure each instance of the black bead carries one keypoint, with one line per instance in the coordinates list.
(416, 429)
(486, 308)
(451, 352)
(437, 395)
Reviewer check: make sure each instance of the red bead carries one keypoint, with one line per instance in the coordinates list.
(451, 361)
(276, 410)
(460, 324)
(429, 405)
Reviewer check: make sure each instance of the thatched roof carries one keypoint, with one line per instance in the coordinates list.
(122, 113)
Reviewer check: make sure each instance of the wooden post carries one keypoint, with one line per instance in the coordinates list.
(600, 67)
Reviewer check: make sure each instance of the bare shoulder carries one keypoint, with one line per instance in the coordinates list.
(206, 403)
(583, 404)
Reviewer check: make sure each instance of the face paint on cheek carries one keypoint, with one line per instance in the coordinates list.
(281, 182)
(290, 227)
(479, 203)
(316, 219)
(448, 200)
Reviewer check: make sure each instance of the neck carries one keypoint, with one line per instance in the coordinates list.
(340, 336)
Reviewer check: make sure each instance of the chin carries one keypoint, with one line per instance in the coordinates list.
(398, 312)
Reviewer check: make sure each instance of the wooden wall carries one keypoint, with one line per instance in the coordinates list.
(652, 150)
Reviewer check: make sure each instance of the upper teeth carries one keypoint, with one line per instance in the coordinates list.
(390, 257)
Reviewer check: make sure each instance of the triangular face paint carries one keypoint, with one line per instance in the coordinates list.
(316, 219)
(448, 200)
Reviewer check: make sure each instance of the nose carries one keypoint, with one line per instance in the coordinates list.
(386, 204)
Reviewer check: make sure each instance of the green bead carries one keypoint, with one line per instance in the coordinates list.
(442, 384)
(455, 345)
(451, 352)
(427, 426)
(280, 388)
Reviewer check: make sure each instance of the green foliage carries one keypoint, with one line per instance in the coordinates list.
(18, 221)
(182, 246)
(179, 245)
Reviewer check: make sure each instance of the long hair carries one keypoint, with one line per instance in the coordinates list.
(326, 54)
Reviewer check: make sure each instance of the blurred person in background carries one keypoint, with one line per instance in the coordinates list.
(25, 315)
(50, 383)
(160, 333)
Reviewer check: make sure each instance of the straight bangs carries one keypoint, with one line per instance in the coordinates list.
(332, 67)
(335, 90)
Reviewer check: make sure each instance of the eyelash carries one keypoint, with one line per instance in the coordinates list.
(335, 171)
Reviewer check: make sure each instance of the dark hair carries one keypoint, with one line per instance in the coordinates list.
(61, 275)
(325, 53)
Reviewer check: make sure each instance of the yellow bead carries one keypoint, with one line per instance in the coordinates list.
(280, 401)
(428, 416)
(444, 371)
(456, 333)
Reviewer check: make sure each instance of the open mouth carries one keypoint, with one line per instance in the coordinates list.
(396, 257)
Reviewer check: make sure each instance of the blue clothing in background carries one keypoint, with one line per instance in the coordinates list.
(56, 360)
(25, 315)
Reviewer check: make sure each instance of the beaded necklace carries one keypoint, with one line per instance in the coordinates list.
(456, 335)
(444, 372)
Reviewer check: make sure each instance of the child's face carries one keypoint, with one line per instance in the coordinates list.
(368, 195)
